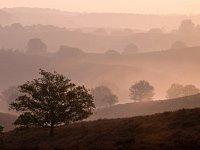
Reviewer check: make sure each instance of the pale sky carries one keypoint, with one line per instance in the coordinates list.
(128, 6)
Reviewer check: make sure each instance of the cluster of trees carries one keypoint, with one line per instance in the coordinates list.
(178, 90)
(187, 27)
(144, 91)
(128, 49)
(104, 97)
(53, 100)
(36, 46)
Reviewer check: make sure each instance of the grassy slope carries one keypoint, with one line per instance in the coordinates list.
(146, 108)
(126, 110)
(171, 130)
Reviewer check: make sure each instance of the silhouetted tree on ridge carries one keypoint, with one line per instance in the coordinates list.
(51, 101)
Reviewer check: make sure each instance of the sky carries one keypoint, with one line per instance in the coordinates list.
(118, 6)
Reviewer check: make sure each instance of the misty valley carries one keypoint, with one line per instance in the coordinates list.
(105, 81)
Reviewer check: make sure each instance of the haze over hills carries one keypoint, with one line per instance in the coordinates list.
(121, 71)
(98, 79)
(92, 41)
(105, 20)
(83, 30)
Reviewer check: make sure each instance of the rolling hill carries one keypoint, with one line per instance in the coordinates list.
(146, 108)
(167, 131)
(126, 110)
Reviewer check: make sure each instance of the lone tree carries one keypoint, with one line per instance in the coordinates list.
(51, 101)
(142, 91)
(103, 96)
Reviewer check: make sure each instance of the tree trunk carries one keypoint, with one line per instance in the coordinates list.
(52, 130)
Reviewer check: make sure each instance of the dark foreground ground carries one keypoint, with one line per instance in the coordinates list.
(178, 130)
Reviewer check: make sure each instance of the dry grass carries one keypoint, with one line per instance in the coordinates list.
(169, 131)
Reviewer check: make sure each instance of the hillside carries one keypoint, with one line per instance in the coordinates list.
(146, 108)
(168, 131)
(127, 110)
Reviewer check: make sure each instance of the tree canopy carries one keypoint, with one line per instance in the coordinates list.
(142, 91)
(51, 101)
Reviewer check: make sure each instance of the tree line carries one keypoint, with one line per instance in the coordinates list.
(104, 96)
